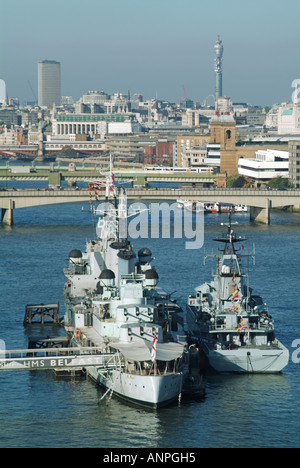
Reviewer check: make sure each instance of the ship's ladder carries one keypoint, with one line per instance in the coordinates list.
(111, 388)
(110, 391)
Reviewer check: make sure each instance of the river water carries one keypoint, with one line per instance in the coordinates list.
(39, 410)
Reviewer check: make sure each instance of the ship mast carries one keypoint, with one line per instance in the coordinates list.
(229, 239)
(115, 216)
(229, 251)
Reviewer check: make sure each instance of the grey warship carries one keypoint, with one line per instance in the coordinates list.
(113, 301)
(232, 324)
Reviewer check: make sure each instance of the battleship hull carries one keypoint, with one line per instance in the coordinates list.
(153, 391)
(250, 361)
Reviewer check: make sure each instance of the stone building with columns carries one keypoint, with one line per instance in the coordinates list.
(93, 125)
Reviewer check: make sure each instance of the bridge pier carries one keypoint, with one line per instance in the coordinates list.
(54, 178)
(140, 181)
(261, 215)
(7, 214)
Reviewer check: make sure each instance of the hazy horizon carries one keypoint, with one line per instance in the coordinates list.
(156, 48)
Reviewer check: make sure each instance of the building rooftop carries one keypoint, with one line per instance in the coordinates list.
(222, 118)
(50, 61)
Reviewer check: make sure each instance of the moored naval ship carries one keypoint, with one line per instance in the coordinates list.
(113, 302)
(231, 324)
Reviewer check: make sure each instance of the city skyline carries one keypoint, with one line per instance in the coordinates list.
(162, 49)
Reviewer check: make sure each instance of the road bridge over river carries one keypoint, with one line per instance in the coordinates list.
(260, 202)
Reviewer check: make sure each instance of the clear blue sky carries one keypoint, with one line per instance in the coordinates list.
(155, 47)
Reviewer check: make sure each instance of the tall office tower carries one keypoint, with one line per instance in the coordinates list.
(49, 87)
(219, 68)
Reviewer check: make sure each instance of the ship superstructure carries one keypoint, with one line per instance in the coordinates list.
(113, 301)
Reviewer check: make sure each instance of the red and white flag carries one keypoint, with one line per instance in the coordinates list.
(111, 182)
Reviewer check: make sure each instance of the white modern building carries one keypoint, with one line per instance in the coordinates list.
(266, 165)
(49, 83)
(289, 119)
(213, 156)
(124, 128)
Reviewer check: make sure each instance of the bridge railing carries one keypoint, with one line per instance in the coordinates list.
(67, 192)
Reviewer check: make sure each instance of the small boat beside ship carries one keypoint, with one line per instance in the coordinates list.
(192, 206)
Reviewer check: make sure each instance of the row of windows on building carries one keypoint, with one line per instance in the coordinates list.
(295, 147)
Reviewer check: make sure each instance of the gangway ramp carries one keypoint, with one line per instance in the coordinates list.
(53, 359)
